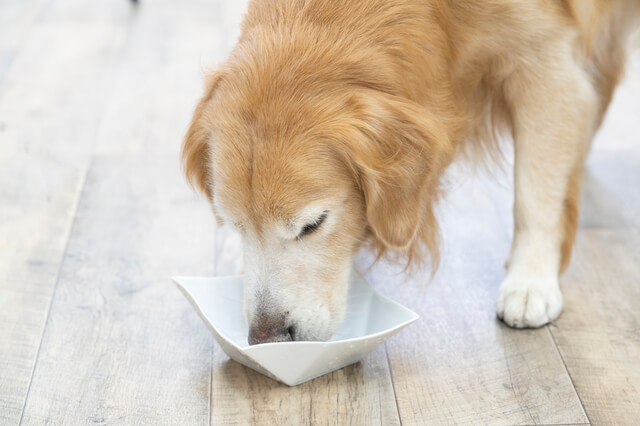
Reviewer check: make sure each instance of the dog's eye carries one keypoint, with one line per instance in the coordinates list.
(313, 226)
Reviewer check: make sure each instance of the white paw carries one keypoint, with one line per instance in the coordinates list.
(529, 303)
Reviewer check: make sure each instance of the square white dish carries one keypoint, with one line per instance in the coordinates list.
(370, 320)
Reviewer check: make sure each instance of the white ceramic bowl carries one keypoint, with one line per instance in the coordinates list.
(370, 320)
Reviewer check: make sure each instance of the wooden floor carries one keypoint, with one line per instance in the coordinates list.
(95, 218)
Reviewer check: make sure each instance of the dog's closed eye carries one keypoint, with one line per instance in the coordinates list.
(313, 226)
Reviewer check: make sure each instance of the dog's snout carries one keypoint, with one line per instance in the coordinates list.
(269, 332)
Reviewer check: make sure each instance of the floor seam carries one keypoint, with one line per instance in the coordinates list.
(53, 292)
(566, 369)
(211, 358)
(118, 63)
(393, 384)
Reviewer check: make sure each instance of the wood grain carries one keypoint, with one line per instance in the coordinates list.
(141, 360)
(94, 98)
(122, 345)
(17, 21)
(170, 47)
(358, 394)
(458, 364)
(47, 122)
(597, 334)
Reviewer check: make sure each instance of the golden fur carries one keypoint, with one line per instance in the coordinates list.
(373, 99)
(381, 59)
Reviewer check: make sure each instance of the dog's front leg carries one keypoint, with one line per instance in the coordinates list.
(553, 109)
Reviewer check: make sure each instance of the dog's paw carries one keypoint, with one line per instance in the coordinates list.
(529, 303)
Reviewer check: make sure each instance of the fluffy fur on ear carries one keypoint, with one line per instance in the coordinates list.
(196, 149)
(398, 153)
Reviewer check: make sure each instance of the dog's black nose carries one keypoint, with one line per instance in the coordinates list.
(269, 332)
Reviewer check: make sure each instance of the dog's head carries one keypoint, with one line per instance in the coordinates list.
(306, 171)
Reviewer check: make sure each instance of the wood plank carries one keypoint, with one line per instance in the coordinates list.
(458, 364)
(122, 345)
(611, 189)
(6, 57)
(148, 228)
(597, 334)
(358, 394)
(161, 78)
(74, 12)
(17, 21)
(48, 121)
(136, 151)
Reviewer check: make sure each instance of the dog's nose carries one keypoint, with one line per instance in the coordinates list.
(269, 332)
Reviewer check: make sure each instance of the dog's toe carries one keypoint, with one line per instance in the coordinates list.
(528, 304)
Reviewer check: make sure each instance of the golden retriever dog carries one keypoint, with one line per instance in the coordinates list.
(332, 121)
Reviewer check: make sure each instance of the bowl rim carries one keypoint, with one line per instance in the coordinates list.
(413, 317)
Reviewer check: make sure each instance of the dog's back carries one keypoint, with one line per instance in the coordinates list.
(455, 54)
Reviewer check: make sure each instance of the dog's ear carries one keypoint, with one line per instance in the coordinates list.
(402, 150)
(196, 148)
